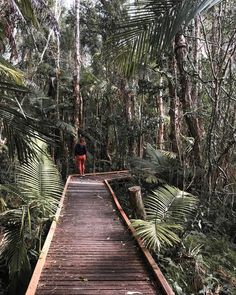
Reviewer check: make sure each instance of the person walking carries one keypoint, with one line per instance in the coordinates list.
(80, 153)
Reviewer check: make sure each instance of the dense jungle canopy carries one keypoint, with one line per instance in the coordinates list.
(151, 86)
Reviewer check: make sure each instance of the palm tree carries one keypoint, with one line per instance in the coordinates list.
(18, 127)
(150, 29)
(34, 196)
(167, 207)
(157, 166)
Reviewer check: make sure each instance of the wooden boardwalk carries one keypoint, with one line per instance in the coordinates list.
(91, 251)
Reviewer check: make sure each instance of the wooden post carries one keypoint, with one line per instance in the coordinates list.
(136, 202)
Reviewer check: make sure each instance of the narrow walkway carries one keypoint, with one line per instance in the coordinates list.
(92, 252)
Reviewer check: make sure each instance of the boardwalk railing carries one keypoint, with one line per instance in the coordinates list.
(42, 257)
(167, 290)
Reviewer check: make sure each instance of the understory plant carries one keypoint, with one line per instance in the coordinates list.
(194, 252)
(168, 209)
(32, 201)
(204, 264)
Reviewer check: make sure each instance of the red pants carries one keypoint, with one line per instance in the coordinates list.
(80, 160)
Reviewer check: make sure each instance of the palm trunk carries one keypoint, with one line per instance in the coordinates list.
(186, 98)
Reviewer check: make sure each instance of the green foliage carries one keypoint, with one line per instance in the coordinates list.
(150, 29)
(210, 261)
(6, 69)
(151, 178)
(170, 204)
(167, 210)
(156, 234)
(20, 130)
(19, 126)
(26, 8)
(141, 40)
(35, 195)
(157, 166)
(3, 205)
(160, 158)
(66, 128)
(14, 248)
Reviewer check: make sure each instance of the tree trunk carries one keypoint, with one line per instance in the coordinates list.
(136, 202)
(160, 130)
(140, 127)
(196, 58)
(160, 113)
(174, 110)
(128, 98)
(78, 106)
(197, 87)
(186, 98)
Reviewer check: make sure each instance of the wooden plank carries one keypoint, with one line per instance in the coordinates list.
(42, 258)
(156, 270)
(91, 251)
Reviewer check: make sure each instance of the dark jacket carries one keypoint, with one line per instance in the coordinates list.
(80, 150)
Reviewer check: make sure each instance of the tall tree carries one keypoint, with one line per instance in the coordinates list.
(142, 37)
(18, 124)
(190, 114)
(78, 103)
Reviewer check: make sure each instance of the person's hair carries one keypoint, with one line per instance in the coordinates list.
(82, 140)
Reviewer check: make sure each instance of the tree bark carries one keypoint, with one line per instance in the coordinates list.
(136, 202)
(160, 113)
(160, 130)
(197, 87)
(186, 98)
(78, 104)
(174, 109)
(128, 98)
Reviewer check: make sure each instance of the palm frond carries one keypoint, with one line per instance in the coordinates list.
(25, 10)
(151, 178)
(157, 166)
(39, 182)
(169, 204)
(150, 29)
(7, 70)
(66, 128)
(36, 12)
(159, 157)
(13, 250)
(37, 189)
(3, 205)
(21, 130)
(12, 87)
(155, 234)
(10, 217)
(188, 143)
(155, 162)
(169, 154)
(167, 210)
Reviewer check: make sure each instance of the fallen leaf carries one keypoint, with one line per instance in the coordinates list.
(83, 279)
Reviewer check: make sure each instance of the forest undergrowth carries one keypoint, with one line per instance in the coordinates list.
(204, 259)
